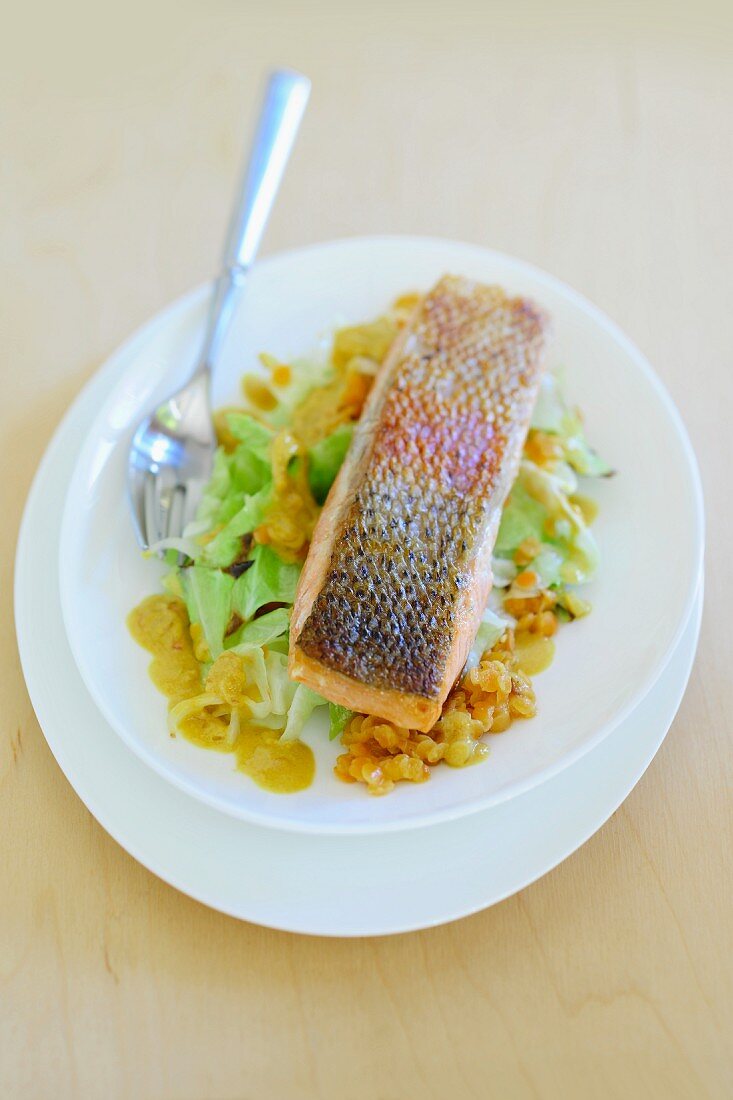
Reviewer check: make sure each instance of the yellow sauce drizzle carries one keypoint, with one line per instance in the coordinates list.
(258, 394)
(279, 766)
(292, 514)
(534, 652)
(160, 625)
(207, 731)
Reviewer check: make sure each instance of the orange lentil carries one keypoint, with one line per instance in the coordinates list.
(527, 551)
(527, 579)
(486, 700)
(542, 448)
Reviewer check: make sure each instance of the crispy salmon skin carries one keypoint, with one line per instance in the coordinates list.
(399, 569)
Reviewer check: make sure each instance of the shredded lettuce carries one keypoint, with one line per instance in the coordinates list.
(171, 547)
(227, 581)
(282, 688)
(225, 607)
(237, 496)
(583, 458)
(234, 502)
(550, 408)
(504, 571)
(214, 494)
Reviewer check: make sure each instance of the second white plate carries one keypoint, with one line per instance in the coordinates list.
(650, 531)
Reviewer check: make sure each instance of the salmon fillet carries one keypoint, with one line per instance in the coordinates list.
(399, 569)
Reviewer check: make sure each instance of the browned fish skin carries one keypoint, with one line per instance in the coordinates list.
(443, 453)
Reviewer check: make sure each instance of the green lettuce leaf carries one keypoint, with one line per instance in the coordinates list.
(281, 688)
(266, 629)
(208, 596)
(225, 547)
(550, 408)
(548, 566)
(491, 629)
(325, 458)
(245, 472)
(217, 489)
(303, 704)
(338, 717)
(268, 580)
(523, 517)
(256, 437)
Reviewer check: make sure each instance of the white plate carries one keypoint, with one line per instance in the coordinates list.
(347, 886)
(650, 530)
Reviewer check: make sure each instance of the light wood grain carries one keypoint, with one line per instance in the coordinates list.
(593, 141)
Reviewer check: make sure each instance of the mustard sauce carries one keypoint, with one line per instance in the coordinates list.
(534, 652)
(258, 393)
(160, 625)
(292, 514)
(279, 766)
(207, 731)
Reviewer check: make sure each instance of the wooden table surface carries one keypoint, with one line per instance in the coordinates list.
(591, 141)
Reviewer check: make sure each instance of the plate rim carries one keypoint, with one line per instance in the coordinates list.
(512, 790)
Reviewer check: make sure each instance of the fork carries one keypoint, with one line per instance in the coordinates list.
(172, 451)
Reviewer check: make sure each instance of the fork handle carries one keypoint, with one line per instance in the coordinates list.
(285, 101)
